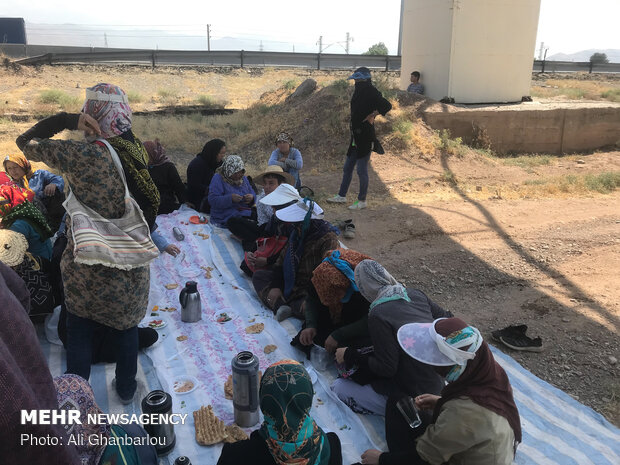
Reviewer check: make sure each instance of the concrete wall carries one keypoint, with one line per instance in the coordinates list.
(474, 51)
(556, 130)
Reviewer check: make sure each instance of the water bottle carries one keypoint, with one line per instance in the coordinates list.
(178, 235)
(182, 460)
(191, 308)
(160, 402)
(245, 389)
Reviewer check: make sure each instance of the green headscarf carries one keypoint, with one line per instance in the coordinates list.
(291, 434)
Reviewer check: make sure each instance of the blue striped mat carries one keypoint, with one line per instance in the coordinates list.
(557, 429)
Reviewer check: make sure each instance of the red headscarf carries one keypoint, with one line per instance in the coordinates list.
(5, 180)
(483, 381)
(157, 153)
(10, 197)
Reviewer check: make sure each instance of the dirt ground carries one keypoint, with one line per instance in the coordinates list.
(552, 264)
(487, 247)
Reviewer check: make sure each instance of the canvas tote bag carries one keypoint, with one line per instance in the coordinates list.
(123, 243)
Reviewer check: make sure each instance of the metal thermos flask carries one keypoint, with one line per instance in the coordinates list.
(182, 460)
(191, 308)
(160, 402)
(178, 235)
(245, 389)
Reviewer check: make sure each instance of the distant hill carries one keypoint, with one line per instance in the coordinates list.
(584, 55)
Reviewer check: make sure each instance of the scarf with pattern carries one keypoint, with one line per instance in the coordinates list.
(291, 434)
(232, 164)
(23, 163)
(14, 206)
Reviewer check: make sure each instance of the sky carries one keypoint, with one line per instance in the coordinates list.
(565, 26)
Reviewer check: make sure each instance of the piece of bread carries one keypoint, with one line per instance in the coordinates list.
(235, 433)
(228, 390)
(255, 328)
(209, 428)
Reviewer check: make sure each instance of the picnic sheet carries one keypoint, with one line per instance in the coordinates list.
(557, 429)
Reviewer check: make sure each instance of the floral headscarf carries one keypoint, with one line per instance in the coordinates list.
(6, 180)
(291, 434)
(109, 105)
(74, 393)
(157, 153)
(284, 137)
(232, 164)
(377, 285)
(23, 162)
(15, 206)
(334, 283)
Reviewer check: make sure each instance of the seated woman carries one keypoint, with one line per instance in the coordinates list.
(287, 157)
(288, 434)
(336, 314)
(33, 270)
(104, 443)
(475, 419)
(201, 170)
(47, 187)
(19, 215)
(230, 193)
(166, 177)
(284, 287)
(394, 373)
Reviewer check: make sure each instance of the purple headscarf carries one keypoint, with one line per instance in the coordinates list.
(157, 153)
(109, 105)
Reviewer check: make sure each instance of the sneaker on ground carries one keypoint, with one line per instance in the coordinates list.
(284, 312)
(349, 231)
(512, 330)
(522, 342)
(337, 199)
(358, 205)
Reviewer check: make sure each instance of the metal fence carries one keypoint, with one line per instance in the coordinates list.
(42, 54)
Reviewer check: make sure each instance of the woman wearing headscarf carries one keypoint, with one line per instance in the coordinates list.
(336, 314)
(98, 294)
(230, 193)
(287, 157)
(100, 443)
(284, 287)
(475, 419)
(166, 177)
(201, 170)
(395, 373)
(47, 187)
(288, 435)
(19, 215)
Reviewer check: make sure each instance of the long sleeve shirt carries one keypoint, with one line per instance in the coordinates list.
(292, 165)
(220, 199)
(41, 178)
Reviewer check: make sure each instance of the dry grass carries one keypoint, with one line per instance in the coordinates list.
(576, 89)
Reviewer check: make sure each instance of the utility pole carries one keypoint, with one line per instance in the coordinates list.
(540, 53)
(320, 44)
(261, 46)
(209, 37)
(349, 39)
(105, 39)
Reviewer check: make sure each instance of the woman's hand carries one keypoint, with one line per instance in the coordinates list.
(371, 457)
(273, 296)
(236, 198)
(172, 250)
(248, 198)
(331, 344)
(260, 262)
(282, 159)
(371, 118)
(50, 189)
(89, 125)
(307, 336)
(426, 401)
(340, 354)
(251, 259)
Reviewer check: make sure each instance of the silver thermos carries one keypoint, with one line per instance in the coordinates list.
(160, 402)
(191, 308)
(245, 389)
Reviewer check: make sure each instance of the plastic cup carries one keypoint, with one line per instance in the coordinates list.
(409, 411)
(319, 357)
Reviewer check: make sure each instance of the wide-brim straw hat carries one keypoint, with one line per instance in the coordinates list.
(277, 170)
(13, 246)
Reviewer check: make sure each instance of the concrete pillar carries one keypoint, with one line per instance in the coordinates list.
(474, 51)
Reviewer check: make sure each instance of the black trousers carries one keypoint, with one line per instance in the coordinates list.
(247, 229)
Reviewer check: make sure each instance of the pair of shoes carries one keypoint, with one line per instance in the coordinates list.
(284, 312)
(358, 205)
(348, 232)
(515, 338)
(337, 199)
(124, 401)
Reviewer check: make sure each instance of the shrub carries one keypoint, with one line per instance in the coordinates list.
(611, 94)
(135, 97)
(58, 97)
(290, 84)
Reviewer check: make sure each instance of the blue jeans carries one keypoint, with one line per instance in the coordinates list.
(362, 173)
(79, 352)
